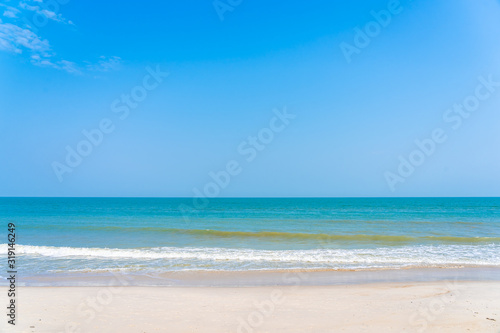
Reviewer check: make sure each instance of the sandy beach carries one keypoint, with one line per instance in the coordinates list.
(443, 306)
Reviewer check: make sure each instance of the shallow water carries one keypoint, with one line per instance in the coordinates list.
(56, 235)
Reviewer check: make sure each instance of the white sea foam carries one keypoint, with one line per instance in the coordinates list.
(422, 255)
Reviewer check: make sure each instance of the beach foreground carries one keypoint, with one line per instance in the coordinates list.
(444, 306)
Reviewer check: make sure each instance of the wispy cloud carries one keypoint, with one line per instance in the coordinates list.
(21, 40)
(64, 65)
(20, 37)
(69, 67)
(16, 39)
(105, 64)
(42, 62)
(45, 12)
(10, 11)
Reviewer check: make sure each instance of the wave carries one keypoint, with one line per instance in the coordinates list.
(331, 237)
(418, 255)
(299, 236)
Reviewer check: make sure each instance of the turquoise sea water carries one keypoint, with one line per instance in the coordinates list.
(154, 235)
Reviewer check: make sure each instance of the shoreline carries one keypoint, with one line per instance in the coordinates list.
(442, 306)
(264, 277)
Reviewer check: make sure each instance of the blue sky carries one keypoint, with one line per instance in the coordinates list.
(231, 70)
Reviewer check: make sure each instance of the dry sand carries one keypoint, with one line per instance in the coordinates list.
(381, 307)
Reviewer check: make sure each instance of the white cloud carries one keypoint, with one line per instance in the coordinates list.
(105, 64)
(24, 5)
(43, 63)
(63, 65)
(45, 12)
(69, 67)
(15, 39)
(10, 11)
(20, 38)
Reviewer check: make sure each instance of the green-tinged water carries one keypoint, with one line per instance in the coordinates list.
(165, 234)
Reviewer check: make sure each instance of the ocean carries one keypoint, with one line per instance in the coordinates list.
(156, 235)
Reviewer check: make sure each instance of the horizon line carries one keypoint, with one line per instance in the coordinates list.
(253, 197)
